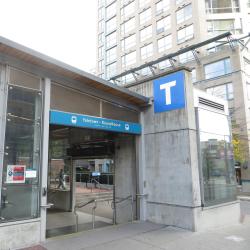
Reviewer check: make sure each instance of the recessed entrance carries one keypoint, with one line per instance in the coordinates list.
(82, 182)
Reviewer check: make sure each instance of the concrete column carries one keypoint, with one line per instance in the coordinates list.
(45, 152)
(142, 192)
(125, 177)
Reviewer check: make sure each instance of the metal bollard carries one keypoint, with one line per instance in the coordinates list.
(93, 214)
(132, 208)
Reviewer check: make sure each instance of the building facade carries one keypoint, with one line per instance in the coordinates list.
(146, 31)
(131, 33)
(168, 165)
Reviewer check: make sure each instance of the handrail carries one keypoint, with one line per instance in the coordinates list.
(83, 205)
(97, 182)
(131, 198)
(80, 205)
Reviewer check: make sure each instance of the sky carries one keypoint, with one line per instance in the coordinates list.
(62, 29)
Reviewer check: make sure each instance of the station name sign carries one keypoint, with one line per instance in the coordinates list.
(92, 122)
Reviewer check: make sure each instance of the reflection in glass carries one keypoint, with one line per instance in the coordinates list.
(217, 158)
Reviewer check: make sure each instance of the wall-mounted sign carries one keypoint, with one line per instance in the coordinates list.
(15, 174)
(92, 122)
(169, 92)
(31, 173)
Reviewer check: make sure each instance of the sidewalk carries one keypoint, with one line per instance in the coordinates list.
(149, 236)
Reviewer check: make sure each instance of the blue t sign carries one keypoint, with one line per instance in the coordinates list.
(169, 92)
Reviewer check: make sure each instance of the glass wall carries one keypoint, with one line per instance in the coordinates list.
(20, 181)
(216, 155)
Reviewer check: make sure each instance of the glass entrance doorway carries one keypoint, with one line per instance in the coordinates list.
(81, 176)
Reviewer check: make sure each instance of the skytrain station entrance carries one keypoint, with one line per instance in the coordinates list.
(83, 190)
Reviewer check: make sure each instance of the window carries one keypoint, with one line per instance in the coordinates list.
(123, 2)
(164, 64)
(145, 72)
(101, 12)
(177, 2)
(101, 26)
(101, 3)
(164, 43)
(146, 51)
(184, 14)
(216, 158)
(162, 6)
(100, 38)
(145, 16)
(185, 57)
(111, 70)
(185, 34)
(224, 91)
(217, 27)
(111, 55)
(22, 155)
(128, 42)
(109, 2)
(146, 33)
(247, 66)
(111, 10)
(101, 66)
(111, 25)
(128, 10)
(127, 79)
(129, 59)
(111, 40)
(163, 24)
(128, 26)
(225, 6)
(101, 52)
(218, 68)
(194, 78)
(143, 3)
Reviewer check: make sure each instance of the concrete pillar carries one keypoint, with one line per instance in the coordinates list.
(171, 164)
(125, 177)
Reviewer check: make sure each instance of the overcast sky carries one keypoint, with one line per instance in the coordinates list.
(63, 29)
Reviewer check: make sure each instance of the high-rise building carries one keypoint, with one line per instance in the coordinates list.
(132, 33)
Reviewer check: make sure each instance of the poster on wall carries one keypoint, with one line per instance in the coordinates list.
(15, 174)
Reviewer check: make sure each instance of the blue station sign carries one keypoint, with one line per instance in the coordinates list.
(92, 122)
(169, 92)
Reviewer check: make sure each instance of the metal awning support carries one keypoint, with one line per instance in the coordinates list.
(231, 42)
(152, 69)
(172, 55)
(245, 45)
(172, 62)
(135, 75)
(195, 54)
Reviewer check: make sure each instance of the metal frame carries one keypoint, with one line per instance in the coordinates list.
(45, 156)
(193, 48)
(3, 111)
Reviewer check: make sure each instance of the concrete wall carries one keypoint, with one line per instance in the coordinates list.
(170, 164)
(125, 177)
(19, 234)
